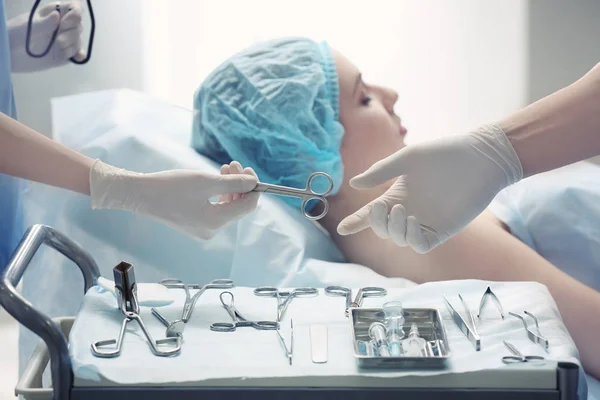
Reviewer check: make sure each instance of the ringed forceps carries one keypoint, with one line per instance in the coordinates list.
(347, 293)
(287, 297)
(517, 356)
(175, 328)
(306, 194)
(238, 319)
(126, 290)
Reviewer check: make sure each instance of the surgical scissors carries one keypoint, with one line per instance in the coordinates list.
(282, 306)
(518, 357)
(362, 293)
(238, 319)
(306, 194)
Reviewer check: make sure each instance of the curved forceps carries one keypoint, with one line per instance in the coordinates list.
(518, 357)
(342, 291)
(190, 302)
(306, 194)
(238, 319)
(284, 298)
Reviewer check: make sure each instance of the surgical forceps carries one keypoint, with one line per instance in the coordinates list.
(469, 330)
(126, 289)
(282, 305)
(488, 293)
(175, 328)
(288, 352)
(518, 357)
(306, 194)
(535, 337)
(238, 319)
(347, 293)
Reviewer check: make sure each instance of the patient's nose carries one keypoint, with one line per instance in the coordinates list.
(389, 98)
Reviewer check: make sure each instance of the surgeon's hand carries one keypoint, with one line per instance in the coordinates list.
(178, 198)
(64, 15)
(442, 185)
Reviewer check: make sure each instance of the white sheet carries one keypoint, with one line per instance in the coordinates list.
(250, 357)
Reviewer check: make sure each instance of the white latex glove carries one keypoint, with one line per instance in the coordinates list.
(178, 198)
(47, 18)
(442, 186)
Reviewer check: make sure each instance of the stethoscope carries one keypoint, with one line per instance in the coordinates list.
(53, 38)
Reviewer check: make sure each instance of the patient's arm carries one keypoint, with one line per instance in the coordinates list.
(483, 250)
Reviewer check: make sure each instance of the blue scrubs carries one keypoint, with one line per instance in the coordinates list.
(11, 213)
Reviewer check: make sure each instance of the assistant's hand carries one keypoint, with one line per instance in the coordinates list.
(178, 198)
(442, 185)
(64, 15)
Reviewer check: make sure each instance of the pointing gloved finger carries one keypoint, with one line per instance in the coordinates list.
(397, 225)
(380, 172)
(356, 222)
(379, 219)
(415, 237)
(226, 197)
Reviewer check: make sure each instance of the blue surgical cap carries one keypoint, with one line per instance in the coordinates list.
(273, 107)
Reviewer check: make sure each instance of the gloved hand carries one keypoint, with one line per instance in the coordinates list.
(442, 186)
(67, 17)
(178, 198)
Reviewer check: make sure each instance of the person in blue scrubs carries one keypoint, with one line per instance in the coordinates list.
(178, 198)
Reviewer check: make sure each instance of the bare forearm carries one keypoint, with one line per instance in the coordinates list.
(559, 129)
(27, 154)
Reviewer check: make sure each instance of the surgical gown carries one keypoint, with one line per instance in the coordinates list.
(11, 215)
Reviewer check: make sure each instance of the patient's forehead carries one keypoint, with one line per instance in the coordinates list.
(347, 74)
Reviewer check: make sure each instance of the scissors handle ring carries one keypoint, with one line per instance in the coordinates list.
(222, 327)
(305, 292)
(323, 212)
(266, 291)
(337, 291)
(312, 177)
(266, 325)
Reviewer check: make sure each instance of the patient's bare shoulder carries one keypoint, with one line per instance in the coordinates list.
(491, 218)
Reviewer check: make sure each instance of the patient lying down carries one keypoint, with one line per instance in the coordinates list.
(289, 107)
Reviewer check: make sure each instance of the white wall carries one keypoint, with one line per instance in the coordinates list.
(456, 64)
(116, 61)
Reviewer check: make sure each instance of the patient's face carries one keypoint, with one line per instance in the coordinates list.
(372, 130)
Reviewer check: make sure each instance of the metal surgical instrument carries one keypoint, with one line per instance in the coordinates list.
(469, 330)
(190, 301)
(238, 319)
(488, 293)
(306, 194)
(535, 337)
(288, 352)
(518, 357)
(284, 298)
(126, 290)
(347, 293)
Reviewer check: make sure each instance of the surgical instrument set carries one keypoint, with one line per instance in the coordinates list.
(238, 319)
(517, 356)
(469, 329)
(284, 298)
(347, 293)
(535, 337)
(489, 293)
(306, 194)
(126, 289)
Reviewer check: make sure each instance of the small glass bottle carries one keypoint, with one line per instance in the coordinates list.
(394, 320)
(413, 344)
(378, 334)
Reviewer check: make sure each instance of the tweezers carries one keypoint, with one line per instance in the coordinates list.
(289, 352)
(469, 331)
(488, 293)
(535, 337)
